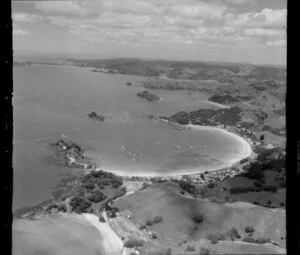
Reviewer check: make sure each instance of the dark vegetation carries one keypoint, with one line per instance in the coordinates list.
(232, 235)
(263, 183)
(80, 204)
(249, 229)
(134, 243)
(147, 95)
(155, 220)
(96, 116)
(260, 240)
(224, 99)
(208, 117)
(198, 218)
(71, 154)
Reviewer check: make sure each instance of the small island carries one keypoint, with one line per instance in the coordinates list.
(71, 155)
(147, 95)
(96, 116)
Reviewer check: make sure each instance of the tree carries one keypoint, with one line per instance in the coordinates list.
(198, 218)
(249, 229)
(262, 137)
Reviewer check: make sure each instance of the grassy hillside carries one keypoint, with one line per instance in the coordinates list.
(178, 214)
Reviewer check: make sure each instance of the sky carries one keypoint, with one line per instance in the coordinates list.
(247, 31)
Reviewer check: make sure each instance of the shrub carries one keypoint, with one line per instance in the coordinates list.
(89, 186)
(154, 235)
(249, 229)
(262, 240)
(149, 222)
(134, 243)
(102, 219)
(204, 251)
(96, 197)
(157, 219)
(233, 234)
(198, 218)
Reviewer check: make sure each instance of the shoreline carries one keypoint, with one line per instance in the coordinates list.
(111, 242)
(245, 152)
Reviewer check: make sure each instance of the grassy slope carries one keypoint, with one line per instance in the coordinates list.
(177, 212)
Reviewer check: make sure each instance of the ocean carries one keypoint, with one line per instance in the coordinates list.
(51, 102)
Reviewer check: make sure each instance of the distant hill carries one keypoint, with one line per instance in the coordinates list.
(186, 70)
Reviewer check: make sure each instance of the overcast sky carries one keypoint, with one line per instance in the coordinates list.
(250, 31)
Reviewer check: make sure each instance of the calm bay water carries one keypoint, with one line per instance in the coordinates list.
(50, 101)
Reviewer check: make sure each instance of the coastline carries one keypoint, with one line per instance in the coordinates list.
(245, 152)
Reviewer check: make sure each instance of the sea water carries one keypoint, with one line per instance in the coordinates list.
(52, 101)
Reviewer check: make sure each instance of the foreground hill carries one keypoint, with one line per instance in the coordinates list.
(179, 213)
(61, 234)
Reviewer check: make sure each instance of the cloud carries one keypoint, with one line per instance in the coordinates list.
(262, 32)
(25, 17)
(209, 22)
(265, 18)
(67, 7)
(97, 7)
(199, 10)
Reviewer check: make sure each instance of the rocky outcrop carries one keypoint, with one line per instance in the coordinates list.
(72, 155)
(96, 116)
(147, 95)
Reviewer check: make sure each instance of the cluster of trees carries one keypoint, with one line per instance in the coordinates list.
(132, 243)
(232, 234)
(236, 190)
(187, 186)
(260, 240)
(80, 204)
(155, 220)
(101, 178)
(228, 116)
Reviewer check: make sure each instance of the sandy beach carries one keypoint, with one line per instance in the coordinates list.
(111, 243)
